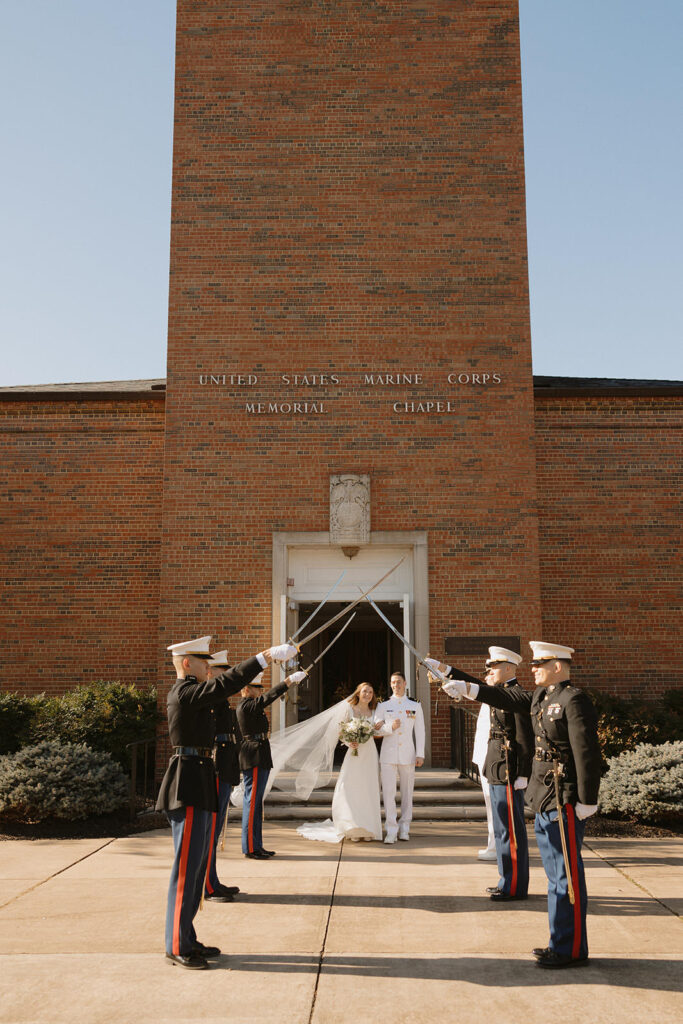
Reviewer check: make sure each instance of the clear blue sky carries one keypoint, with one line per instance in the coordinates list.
(87, 90)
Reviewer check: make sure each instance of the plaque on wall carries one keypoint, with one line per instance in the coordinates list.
(478, 646)
(349, 508)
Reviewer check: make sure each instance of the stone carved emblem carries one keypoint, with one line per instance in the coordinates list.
(349, 509)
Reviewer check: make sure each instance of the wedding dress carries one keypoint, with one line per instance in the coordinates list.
(355, 805)
(303, 756)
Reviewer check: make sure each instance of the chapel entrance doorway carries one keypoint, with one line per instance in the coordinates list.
(308, 569)
(367, 652)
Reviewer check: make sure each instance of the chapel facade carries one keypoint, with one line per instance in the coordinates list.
(349, 388)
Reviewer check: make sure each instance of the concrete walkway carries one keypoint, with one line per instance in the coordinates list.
(329, 934)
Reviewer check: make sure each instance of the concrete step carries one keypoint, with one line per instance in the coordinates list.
(317, 812)
(439, 795)
(425, 778)
(421, 797)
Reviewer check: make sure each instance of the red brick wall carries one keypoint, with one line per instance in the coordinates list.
(348, 197)
(80, 522)
(610, 480)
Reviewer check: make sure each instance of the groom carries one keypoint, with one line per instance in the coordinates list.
(403, 749)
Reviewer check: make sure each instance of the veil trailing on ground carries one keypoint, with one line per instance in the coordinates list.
(303, 754)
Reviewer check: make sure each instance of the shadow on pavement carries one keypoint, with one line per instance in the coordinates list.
(606, 906)
(496, 972)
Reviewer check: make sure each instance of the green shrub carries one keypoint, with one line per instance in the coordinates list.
(59, 780)
(107, 716)
(16, 717)
(624, 723)
(645, 783)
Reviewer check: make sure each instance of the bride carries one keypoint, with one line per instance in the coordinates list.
(306, 751)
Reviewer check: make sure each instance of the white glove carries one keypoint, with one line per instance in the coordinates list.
(285, 652)
(520, 782)
(434, 666)
(455, 688)
(585, 810)
(296, 677)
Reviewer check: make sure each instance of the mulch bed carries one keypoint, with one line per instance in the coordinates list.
(102, 826)
(612, 828)
(107, 826)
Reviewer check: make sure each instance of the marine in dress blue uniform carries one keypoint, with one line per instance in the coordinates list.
(226, 762)
(256, 760)
(188, 789)
(507, 767)
(566, 772)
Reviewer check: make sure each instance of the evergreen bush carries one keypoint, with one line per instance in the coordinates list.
(17, 713)
(59, 780)
(645, 783)
(105, 715)
(624, 723)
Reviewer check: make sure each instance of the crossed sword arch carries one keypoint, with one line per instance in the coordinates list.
(364, 596)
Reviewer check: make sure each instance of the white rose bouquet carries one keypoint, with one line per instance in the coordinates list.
(356, 730)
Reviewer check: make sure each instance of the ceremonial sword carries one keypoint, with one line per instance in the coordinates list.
(315, 612)
(510, 793)
(331, 643)
(558, 772)
(416, 654)
(348, 608)
(322, 653)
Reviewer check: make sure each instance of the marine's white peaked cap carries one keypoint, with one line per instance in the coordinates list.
(502, 654)
(199, 648)
(219, 660)
(541, 650)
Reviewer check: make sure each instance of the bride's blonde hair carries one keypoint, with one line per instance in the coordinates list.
(355, 696)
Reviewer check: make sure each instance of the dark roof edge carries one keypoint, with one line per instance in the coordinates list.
(112, 390)
(544, 387)
(600, 387)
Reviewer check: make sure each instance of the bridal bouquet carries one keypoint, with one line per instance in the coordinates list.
(356, 730)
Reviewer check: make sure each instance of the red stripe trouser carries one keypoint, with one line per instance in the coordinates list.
(567, 921)
(191, 828)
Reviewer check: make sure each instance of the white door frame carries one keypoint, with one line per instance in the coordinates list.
(416, 541)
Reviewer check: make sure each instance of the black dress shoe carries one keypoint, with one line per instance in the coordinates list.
(268, 853)
(207, 952)
(552, 959)
(499, 896)
(231, 890)
(540, 951)
(492, 888)
(217, 896)
(193, 962)
(257, 855)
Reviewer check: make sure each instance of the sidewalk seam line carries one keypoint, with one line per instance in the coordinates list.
(327, 926)
(631, 880)
(60, 872)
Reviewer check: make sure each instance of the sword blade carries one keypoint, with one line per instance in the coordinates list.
(333, 642)
(313, 614)
(349, 607)
(416, 654)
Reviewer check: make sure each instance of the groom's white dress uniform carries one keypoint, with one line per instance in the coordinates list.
(481, 746)
(400, 747)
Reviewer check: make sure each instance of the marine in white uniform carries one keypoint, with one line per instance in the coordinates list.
(403, 749)
(481, 746)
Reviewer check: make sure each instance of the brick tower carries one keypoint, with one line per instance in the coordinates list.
(349, 295)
